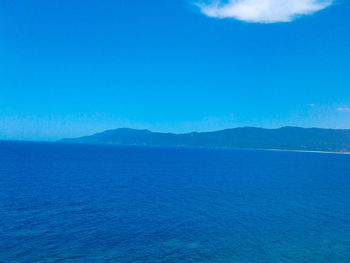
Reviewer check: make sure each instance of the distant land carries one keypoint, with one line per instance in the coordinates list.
(286, 138)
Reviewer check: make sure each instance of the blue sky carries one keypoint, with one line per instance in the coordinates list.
(74, 67)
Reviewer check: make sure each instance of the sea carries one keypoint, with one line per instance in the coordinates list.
(74, 203)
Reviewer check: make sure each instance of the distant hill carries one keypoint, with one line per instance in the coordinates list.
(286, 138)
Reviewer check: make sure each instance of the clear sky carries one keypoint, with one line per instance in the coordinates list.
(75, 67)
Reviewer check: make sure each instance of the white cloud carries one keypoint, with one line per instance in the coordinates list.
(262, 11)
(341, 109)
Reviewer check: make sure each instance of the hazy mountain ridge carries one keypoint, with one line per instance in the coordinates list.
(286, 138)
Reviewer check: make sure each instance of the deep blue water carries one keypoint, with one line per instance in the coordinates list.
(84, 203)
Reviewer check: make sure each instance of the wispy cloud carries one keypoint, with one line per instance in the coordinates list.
(341, 109)
(262, 11)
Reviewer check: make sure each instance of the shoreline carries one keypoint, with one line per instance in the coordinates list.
(306, 151)
(163, 146)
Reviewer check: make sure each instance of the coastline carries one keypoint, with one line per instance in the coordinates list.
(163, 146)
(307, 151)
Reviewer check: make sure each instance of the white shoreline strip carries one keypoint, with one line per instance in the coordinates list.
(306, 151)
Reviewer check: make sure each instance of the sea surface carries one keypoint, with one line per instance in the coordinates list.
(85, 203)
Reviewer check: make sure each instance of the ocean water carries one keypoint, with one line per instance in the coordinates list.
(84, 203)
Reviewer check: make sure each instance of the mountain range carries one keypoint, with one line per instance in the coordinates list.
(285, 138)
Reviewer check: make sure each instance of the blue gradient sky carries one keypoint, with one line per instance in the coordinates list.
(75, 67)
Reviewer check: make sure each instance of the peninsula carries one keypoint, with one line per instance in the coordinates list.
(285, 138)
